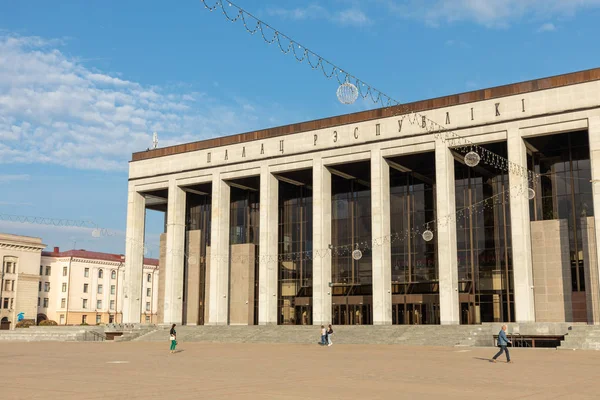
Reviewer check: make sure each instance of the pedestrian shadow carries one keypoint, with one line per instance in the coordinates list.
(482, 359)
(179, 351)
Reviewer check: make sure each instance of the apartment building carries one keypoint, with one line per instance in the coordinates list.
(86, 287)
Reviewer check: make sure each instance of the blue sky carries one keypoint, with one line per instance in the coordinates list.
(84, 84)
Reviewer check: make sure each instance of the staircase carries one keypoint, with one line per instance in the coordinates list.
(583, 337)
(53, 334)
(412, 335)
(135, 332)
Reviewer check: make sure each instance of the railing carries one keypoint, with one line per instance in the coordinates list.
(93, 336)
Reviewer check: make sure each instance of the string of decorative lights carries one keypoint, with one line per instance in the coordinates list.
(351, 87)
(28, 219)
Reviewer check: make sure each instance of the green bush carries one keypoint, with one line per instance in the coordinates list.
(26, 323)
(84, 324)
(48, 322)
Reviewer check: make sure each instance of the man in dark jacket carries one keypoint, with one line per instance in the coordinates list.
(503, 343)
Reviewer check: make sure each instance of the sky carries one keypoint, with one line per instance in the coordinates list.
(83, 85)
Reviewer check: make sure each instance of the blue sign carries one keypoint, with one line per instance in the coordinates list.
(20, 316)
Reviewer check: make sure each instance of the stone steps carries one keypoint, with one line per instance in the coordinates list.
(464, 336)
(582, 338)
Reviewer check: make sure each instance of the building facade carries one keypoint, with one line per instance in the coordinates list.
(383, 216)
(19, 279)
(86, 287)
(71, 287)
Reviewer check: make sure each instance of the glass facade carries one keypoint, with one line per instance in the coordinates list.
(295, 254)
(198, 217)
(485, 270)
(415, 282)
(351, 279)
(244, 227)
(564, 191)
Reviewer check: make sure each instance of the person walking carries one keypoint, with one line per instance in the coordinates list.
(323, 335)
(173, 337)
(503, 344)
(329, 334)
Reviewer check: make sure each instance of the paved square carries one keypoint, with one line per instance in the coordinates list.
(146, 370)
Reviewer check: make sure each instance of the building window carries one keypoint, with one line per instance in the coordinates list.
(86, 273)
(12, 286)
(148, 292)
(147, 319)
(39, 301)
(7, 285)
(84, 319)
(99, 304)
(48, 270)
(11, 302)
(147, 306)
(39, 286)
(41, 270)
(100, 274)
(149, 278)
(63, 302)
(5, 303)
(46, 287)
(112, 304)
(85, 288)
(64, 287)
(45, 302)
(64, 271)
(113, 274)
(84, 304)
(112, 289)
(98, 319)
(99, 289)
(62, 319)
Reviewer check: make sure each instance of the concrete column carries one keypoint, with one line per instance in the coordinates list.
(219, 253)
(134, 257)
(594, 139)
(321, 242)
(446, 231)
(268, 265)
(520, 230)
(382, 258)
(174, 255)
(590, 259)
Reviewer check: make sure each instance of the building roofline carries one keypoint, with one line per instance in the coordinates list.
(94, 255)
(422, 105)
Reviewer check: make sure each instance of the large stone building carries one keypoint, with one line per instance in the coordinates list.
(261, 227)
(71, 287)
(20, 257)
(86, 287)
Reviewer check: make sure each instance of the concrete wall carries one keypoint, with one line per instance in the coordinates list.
(551, 271)
(241, 284)
(207, 286)
(194, 278)
(590, 259)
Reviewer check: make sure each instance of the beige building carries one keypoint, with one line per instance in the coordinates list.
(20, 256)
(471, 208)
(86, 287)
(71, 287)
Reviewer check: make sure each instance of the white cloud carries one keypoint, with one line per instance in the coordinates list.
(489, 13)
(54, 110)
(12, 178)
(547, 27)
(352, 16)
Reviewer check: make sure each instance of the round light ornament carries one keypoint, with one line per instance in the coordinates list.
(530, 193)
(472, 159)
(96, 233)
(192, 260)
(357, 254)
(347, 93)
(427, 235)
